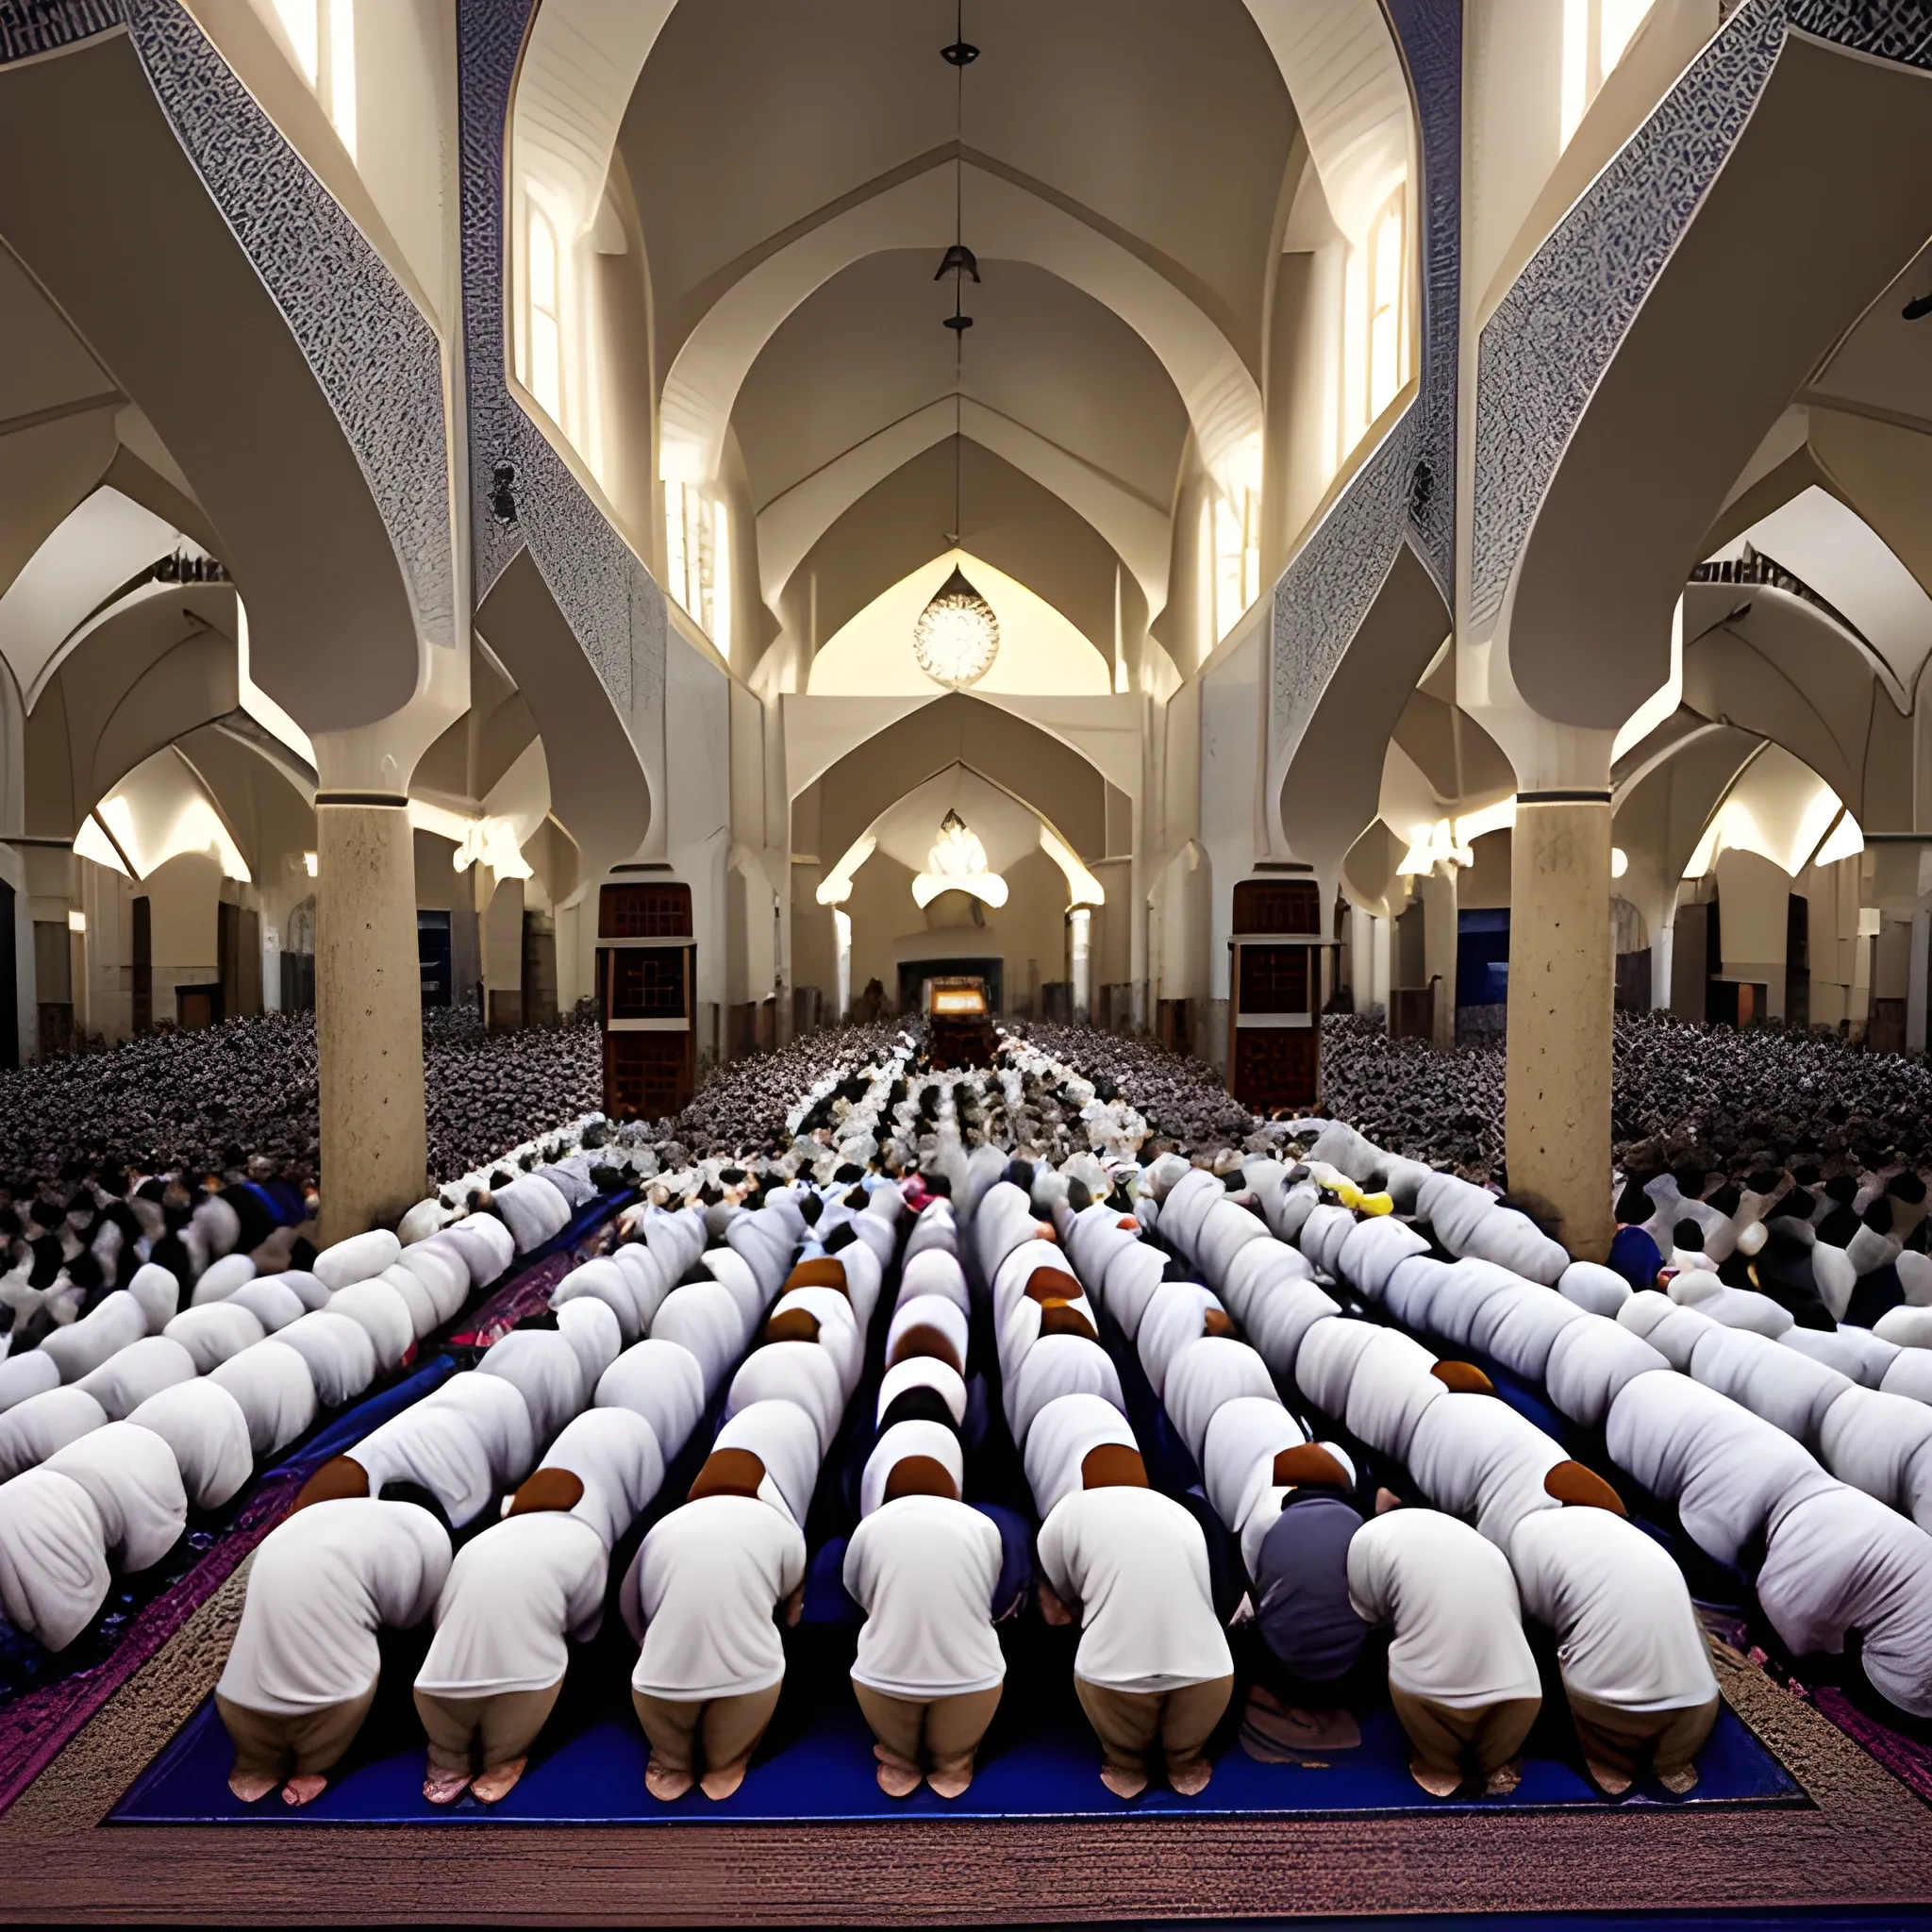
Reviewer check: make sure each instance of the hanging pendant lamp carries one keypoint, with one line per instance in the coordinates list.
(956, 635)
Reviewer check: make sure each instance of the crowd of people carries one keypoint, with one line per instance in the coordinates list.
(1285, 1422)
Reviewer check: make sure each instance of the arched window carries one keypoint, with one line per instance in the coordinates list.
(1387, 303)
(320, 35)
(697, 556)
(1596, 34)
(1237, 557)
(544, 315)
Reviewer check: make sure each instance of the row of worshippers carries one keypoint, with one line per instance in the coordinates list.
(1547, 1536)
(1828, 1561)
(127, 1420)
(520, 1591)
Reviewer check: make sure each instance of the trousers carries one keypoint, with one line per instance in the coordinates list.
(480, 1733)
(1621, 1738)
(938, 1734)
(722, 1731)
(1482, 1737)
(271, 1743)
(1131, 1724)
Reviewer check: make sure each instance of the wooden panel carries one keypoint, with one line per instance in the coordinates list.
(647, 1075)
(1274, 979)
(1276, 1066)
(654, 911)
(647, 982)
(1278, 905)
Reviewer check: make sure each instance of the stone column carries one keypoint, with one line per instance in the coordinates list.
(368, 1012)
(1080, 960)
(1438, 893)
(1562, 983)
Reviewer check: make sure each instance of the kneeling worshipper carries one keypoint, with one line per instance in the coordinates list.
(302, 1673)
(1153, 1670)
(1300, 1574)
(924, 1567)
(1461, 1676)
(1636, 1668)
(703, 1599)
(515, 1600)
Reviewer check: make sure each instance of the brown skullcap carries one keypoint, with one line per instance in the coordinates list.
(549, 1488)
(1570, 1482)
(792, 1324)
(920, 1475)
(824, 1271)
(1051, 1284)
(1112, 1466)
(1309, 1463)
(923, 1339)
(1218, 1322)
(1062, 1318)
(1463, 1378)
(728, 1473)
(340, 1478)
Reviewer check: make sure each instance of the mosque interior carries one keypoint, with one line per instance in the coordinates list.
(1037, 892)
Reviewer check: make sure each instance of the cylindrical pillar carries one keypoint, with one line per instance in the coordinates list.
(1662, 941)
(368, 1015)
(1562, 985)
(1440, 940)
(842, 929)
(1079, 961)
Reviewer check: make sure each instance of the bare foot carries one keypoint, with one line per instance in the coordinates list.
(667, 1786)
(1505, 1778)
(1607, 1780)
(1679, 1781)
(500, 1780)
(1121, 1782)
(719, 1785)
(445, 1786)
(303, 1790)
(1438, 1784)
(950, 1784)
(897, 1780)
(250, 1786)
(1190, 1779)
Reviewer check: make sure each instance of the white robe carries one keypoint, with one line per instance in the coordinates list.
(1592, 1362)
(1021, 1328)
(1526, 1328)
(800, 1373)
(935, 1272)
(1392, 1388)
(322, 1584)
(132, 1479)
(1136, 1562)
(1413, 1286)
(1730, 1474)
(1853, 1352)
(443, 1273)
(1174, 1318)
(384, 1315)
(1133, 1278)
(82, 1346)
(485, 1246)
(220, 1279)
(1375, 1247)
(1325, 1366)
(617, 1458)
(1018, 1268)
(1474, 1456)
(704, 1318)
(545, 1370)
(784, 1437)
(924, 1569)
(591, 1330)
(1205, 1374)
(437, 1447)
(1593, 1288)
(513, 1597)
(340, 1356)
(1059, 1365)
(532, 1209)
(1881, 1444)
(1238, 1451)
(660, 1381)
(204, 1427)
(32, 1430)
(1626, 1632)
(1063, 1432)
(1280, 1321)
(271, 1303)
(1449, 1598)
(733, 1272)
(649, 1284)
(498, 1414)
(904, 1439)
(214, 1331)
(23, 1376)
(927, 1312)
(1786, 1389)
(159, 1293)
(53, 1557)
(362, 1258)
(1225, 1232)
(923, 1372)
(272, 1384)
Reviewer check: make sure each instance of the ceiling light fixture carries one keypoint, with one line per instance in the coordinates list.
(956, 635)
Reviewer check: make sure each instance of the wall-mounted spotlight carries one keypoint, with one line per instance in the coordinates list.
(1921, 305)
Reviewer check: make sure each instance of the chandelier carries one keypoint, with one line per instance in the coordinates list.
(956, 635)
